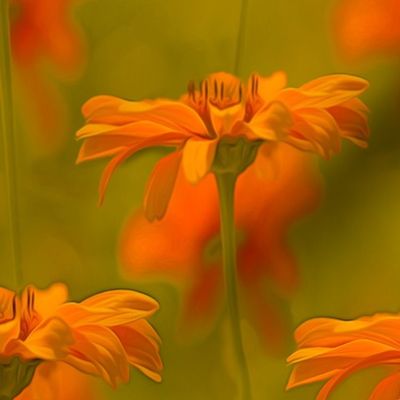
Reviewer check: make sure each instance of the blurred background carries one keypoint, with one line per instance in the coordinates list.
(348, 249)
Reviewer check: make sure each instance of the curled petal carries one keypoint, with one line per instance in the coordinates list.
(161, 185)
(387, 389)
(141, 344)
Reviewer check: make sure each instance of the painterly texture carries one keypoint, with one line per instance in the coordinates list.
(314, 117)
(101, 336)
(332, 350)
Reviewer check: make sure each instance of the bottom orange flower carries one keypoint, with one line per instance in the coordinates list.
(331, 349)
(185, 248)
(100, 336)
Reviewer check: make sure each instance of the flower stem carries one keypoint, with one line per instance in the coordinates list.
(7, 135)
(226, 187)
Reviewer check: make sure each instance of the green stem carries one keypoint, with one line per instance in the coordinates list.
(7, 134)
(240, 41)
(226, 187)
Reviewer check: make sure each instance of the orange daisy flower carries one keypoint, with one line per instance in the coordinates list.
(266, 266)
(331, 349)
(313, 117)
(101, 336)
(365, 27)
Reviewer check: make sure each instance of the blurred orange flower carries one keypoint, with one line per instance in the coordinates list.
(102, 335)
(185, 246)
(365, 27)
(43, 30)
(331, 349)
(313, 117)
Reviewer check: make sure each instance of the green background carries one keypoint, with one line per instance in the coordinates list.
(348, 250)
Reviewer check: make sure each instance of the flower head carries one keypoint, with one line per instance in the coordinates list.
(267, 269)
(331, 349)
(365, 27)
(102, 335)
(313, 117)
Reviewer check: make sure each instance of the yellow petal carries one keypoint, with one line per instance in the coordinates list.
(198, 156)
(269, 87)
(160, 186)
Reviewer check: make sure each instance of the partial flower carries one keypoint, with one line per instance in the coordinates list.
(43, 31)
(100, 336)
(184, 248)
(314, 117)
(331, 350)
(367, 27)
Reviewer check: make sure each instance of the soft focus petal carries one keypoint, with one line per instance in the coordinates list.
(372, 26)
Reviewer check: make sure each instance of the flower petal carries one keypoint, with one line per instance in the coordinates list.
(97, 348)
(271, 122)
(161, 185)
(48, 341)
(174, 114)
(198, 156)
(111, 308)
(141, 344)
(324, 92)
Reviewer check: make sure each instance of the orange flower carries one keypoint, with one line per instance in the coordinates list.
(313, 117)
(185, 248)
(43, 30)
(100, 336)
(365, 27)
(331, 349)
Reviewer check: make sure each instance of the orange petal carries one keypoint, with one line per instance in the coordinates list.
(97, 350)
(174, 114)
(324, 92)
(48, 341)
(49, 383)
(271, 122)
(198, 156)
(270, 86)
(111, 308)
(161, 185)
(141, 344)
(9, 322)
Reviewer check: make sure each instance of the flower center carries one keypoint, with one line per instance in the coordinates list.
(220, 90)
(8, 307)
